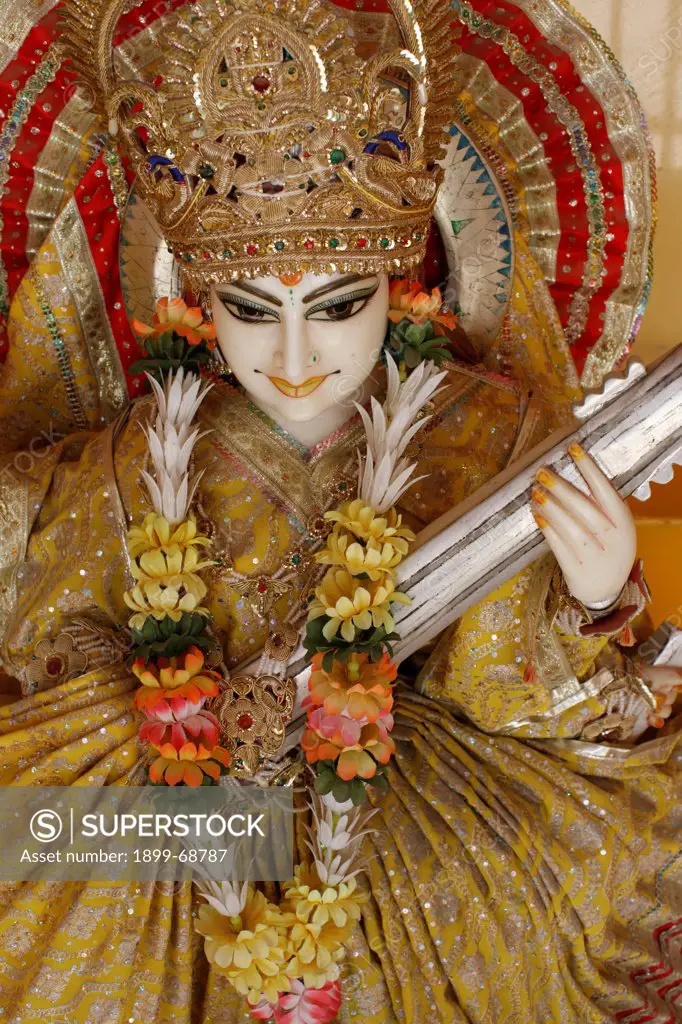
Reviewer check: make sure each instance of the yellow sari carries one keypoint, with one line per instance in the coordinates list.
(517, 872)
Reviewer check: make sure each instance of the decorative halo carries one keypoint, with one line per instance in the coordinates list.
(476, 229)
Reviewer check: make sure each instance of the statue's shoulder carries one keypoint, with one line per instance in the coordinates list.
(468, 383)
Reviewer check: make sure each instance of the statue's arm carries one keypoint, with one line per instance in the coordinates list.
(62, 559)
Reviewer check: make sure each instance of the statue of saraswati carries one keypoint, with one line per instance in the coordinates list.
(368, 254)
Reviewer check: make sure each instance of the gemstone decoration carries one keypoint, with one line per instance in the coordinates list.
(337, 156)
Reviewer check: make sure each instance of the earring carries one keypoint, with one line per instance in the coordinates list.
(220, 367)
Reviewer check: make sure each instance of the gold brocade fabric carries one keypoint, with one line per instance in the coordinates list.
(517, 875)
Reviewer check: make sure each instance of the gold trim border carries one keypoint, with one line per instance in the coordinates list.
(73, 248)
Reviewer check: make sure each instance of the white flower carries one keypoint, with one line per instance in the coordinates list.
(335, 840)
(384, 476)
(171, 443)
(225, 897)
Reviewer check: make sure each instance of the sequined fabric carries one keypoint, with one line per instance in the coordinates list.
(511, 874)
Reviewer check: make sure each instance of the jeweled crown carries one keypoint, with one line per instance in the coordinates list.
(264, 143)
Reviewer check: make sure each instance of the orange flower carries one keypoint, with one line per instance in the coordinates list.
(176, 315)
(355, 759)
(360, 688)
(180, 676)
(408, 302)
(189, 764)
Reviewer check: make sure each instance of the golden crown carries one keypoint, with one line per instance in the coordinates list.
(264, 143)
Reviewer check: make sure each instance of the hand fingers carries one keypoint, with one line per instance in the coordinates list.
(583, 509)
(661, 678)
(603, 490)
(579, 537)
(563, 550)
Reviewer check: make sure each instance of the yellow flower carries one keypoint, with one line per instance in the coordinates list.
(171, 566)
(249, 948)
(156, 532)
(362, 521)
(374, 559)
(352, 604)
(152, 598)
(312, 901)
(324, 919)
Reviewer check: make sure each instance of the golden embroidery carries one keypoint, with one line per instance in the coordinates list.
(253, 713)
(54, 661)
(73, 248)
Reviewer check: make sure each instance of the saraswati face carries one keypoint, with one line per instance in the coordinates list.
(302, 345)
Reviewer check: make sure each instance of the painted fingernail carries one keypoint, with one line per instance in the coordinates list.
(576, 451)
(540, 520)
(538, 496)
(545, 477)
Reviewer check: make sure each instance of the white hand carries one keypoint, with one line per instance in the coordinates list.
(593, 538)
(665, 682)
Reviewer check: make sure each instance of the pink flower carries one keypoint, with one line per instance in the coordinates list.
(200, 726)
(263, 1011)
(174, 709)
(308, 1005)
(347, 730)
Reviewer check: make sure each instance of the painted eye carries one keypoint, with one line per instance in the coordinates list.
(342, 308)
(247, 311)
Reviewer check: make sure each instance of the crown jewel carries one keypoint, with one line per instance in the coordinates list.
(264, 143)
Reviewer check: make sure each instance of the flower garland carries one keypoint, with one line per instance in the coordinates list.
(169, 624)
(284, 959)
(350, 624)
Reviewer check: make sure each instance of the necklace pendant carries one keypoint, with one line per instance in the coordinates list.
(254, 712)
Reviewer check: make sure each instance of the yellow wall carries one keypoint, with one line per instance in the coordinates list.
(647, 38)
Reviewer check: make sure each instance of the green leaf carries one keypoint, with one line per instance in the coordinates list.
(324, 783)
(149, 631)
(417, 333)
(341, 790)
(358, 792)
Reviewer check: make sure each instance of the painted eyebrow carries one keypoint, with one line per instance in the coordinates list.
(251, 290)
(334, 286)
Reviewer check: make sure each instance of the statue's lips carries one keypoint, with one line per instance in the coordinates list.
(298, 390)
